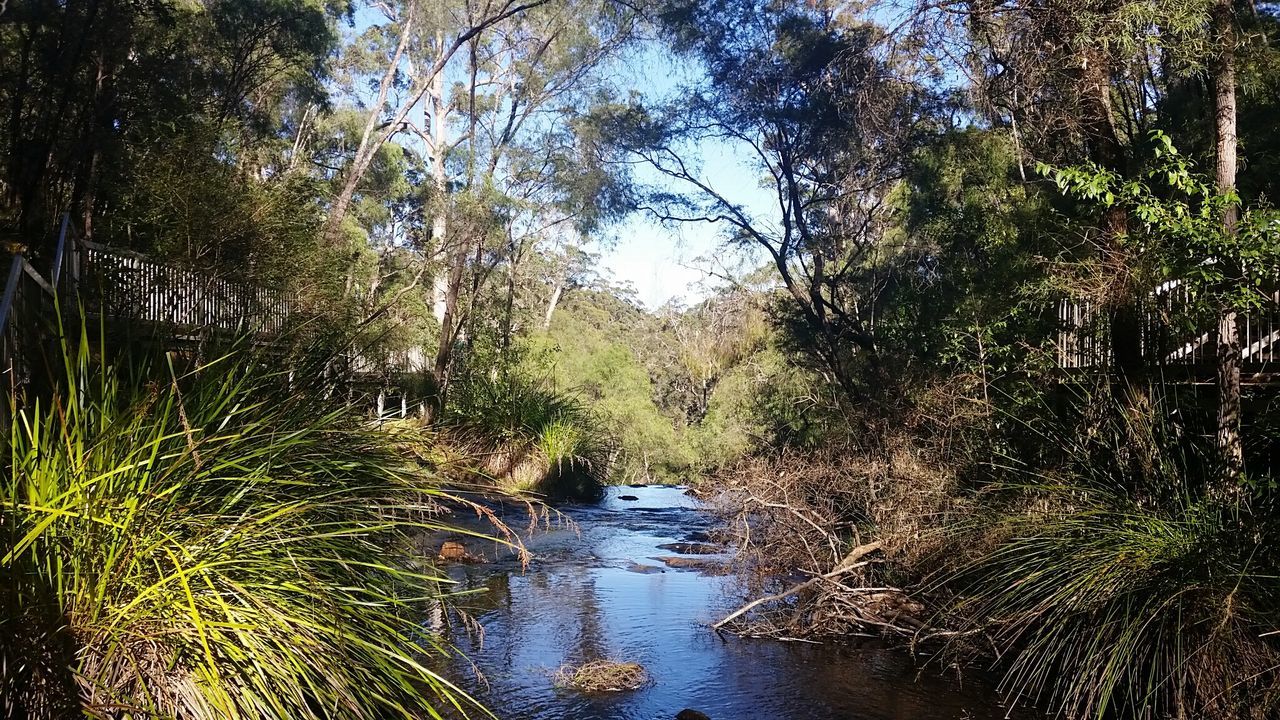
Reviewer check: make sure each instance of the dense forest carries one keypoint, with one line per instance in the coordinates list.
(995, 383)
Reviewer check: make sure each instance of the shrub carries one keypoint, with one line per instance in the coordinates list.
(204, 545)
(1126, 585)
(539, 438)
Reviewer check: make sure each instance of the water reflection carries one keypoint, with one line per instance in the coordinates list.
(581, 600)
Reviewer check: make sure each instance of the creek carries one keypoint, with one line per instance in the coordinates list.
(598, 587)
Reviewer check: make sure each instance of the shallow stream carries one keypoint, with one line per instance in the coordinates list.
(603, 590)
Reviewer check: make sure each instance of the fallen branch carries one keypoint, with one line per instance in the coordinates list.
(848, 564)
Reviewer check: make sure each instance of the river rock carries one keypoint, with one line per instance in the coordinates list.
(628, 497)
(638, 485)
(454, 551)
(691, 548)
(690, 714)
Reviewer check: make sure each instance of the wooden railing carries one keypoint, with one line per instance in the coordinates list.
(143, 298)
(122, 285)
(26, 293)
(1169, 332)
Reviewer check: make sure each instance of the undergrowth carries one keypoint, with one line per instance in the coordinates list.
(1085, 551)
(209, 543)
(532, 436)
(1126, 581)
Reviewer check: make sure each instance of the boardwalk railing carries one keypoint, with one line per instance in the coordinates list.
(1170, 333)
(122, 285)
(26, 293)
(141, 298)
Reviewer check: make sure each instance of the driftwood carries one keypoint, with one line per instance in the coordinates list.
(852, 561)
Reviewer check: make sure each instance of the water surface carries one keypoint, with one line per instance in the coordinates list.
(601, 591)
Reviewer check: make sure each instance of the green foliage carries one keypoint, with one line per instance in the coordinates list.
(589, 349)
(1120, 586)
(1116, 607)
(186, 206)
(1182, 232)
(102, 94)
(966, 273)
(792, 405)
(518, 415)
(203, 544)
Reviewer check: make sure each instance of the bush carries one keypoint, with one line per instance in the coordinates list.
(204, 545)
(1109, 608)
(1126, 584)
(532, 435)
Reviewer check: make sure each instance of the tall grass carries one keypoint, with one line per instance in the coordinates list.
(1121, 585)
(536, 431)
(207, 543)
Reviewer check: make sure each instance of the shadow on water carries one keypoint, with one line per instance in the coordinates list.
(602, 591)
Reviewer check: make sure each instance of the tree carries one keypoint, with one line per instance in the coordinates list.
(1230, 445)
(426, 39)
(96, 92)
(521, 171)
(828, 114)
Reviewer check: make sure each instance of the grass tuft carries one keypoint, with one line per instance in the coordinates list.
(537, 438)
(602, 676)
(1126, 583)
(205, 544)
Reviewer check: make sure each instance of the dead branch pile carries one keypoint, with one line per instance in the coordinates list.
(824, 539)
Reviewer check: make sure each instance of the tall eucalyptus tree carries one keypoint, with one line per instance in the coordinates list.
(487, 93)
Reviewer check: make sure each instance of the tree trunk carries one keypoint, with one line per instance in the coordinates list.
(440, 185)
(1230, 446)
(449, 326)
(552, 303)
(1108, 150)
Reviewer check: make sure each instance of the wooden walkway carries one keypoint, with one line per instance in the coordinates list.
(142, 300)
(1171, 339)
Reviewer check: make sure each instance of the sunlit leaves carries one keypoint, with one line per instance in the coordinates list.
(1181, 225)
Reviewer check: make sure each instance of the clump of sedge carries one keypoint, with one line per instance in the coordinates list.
(602, 676)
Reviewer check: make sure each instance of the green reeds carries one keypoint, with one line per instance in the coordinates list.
(532, 426)
(1126, 588)
(210, 543)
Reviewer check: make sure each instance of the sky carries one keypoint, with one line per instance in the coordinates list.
(665, 263)
(682, 262)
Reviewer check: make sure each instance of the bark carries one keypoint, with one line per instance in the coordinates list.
(516, 253)
(552, 303)
(1230, 447)
(438, 206)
